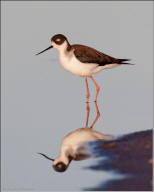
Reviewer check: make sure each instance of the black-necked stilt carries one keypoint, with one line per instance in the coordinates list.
(73, 145)
(82, 60)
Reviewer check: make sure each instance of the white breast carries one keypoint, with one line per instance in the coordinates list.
(74, 66)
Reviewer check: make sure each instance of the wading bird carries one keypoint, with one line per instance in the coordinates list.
(82, 60)
(73, 146)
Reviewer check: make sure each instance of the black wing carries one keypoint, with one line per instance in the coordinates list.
(89, 55)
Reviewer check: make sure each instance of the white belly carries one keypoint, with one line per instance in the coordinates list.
(74, 66)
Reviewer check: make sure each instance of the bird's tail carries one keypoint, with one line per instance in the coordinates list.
(124, 61)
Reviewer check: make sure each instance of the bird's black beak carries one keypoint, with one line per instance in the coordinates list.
(46, 157)
(45, 50)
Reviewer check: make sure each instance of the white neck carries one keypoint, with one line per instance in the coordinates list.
(65, 151)
(61, 48)
(63, 159)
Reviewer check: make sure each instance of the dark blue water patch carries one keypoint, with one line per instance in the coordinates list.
(129, 154)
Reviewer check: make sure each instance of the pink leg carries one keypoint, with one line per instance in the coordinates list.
(88, 95)
(97, 116)
(88, 110)
(97, 87)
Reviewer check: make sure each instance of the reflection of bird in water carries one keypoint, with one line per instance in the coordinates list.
(73, 148)
(83, 61)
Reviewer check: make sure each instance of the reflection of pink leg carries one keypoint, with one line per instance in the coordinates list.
(97, 116)
(88, 110)
(87, 89)
(97, 87)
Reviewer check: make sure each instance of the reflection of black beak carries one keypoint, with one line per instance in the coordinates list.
(45, 50)
(46, 157)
